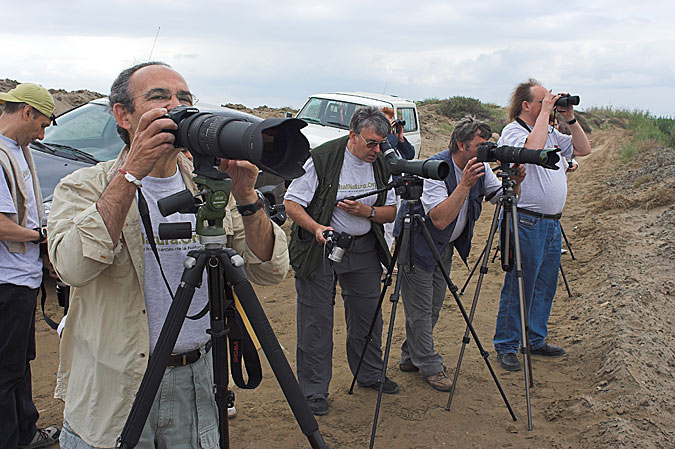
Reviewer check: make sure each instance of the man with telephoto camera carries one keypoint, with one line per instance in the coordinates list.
(450, 208)
(28, 110)
(337, 169)
(542, 198)
(118, 300)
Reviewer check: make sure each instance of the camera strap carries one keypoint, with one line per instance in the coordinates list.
(522, 123)
(144, 212)
(242, 348)
(43, 299)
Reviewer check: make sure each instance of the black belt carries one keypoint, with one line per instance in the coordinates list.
(538, 215)
(187, 358)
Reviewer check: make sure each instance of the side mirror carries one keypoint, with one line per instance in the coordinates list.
(289, 115)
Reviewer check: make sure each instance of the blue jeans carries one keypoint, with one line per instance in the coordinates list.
(540, 254)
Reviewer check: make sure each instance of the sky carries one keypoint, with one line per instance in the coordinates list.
(278, 53)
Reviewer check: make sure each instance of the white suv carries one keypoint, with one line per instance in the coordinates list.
(328, 115)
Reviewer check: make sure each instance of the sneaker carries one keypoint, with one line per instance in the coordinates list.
(548, 351)
(407, 367)
(42, 438)
(318, 406)
(231, 412)
(440, 381)
(389, 386)
(509, 361)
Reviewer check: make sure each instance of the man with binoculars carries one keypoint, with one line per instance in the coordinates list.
(344, 167)
(542, 198)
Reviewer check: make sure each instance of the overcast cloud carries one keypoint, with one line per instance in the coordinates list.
(278, 53)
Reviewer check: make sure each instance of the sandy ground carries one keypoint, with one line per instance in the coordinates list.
(614, 388)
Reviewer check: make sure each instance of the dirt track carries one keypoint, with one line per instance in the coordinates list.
(614, 388)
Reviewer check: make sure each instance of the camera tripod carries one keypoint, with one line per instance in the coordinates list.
(410, 189)
(508, 202)
(485, 248)
(225, 277)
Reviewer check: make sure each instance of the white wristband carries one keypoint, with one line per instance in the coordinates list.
(131, 178)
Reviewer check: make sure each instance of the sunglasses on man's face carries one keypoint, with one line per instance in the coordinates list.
(372, 143)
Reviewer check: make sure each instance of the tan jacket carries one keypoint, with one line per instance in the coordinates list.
(105, 343)
(19, 190)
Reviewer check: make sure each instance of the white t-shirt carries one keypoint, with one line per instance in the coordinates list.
(435, 191)
(356, 178)
(16, 268)
(543, 190)
(172, 254)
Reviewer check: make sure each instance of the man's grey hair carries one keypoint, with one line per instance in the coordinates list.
(120, 93)
(466, 129)
(370, 116)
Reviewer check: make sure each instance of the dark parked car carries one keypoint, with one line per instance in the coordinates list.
(87, 135)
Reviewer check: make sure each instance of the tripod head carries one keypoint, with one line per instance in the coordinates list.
(214, 190)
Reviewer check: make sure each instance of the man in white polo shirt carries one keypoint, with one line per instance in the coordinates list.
(541, 202)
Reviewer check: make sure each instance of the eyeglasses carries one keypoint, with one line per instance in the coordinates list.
(372, 143)
(163, 96)
(537, 101)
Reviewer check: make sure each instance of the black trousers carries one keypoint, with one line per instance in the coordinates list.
(18, 414)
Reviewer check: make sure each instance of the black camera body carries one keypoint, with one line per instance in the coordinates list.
(568, 100)
(337, 243)
(490, 152)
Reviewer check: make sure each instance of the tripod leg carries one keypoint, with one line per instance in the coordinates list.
(567, 286)
(523, 316)
(567, 242)
(419, 220)
(219, 331)
(473, 270)
(275, 355)
(402, 242)
(483, 272)
(387, 348)
(373, 322)
(160, 357)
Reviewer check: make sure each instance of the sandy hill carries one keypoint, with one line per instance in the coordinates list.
(64, 100)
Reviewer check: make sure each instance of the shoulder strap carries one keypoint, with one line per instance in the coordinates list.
(522, 123)
(147, 224)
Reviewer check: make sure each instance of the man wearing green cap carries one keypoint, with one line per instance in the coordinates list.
(28, 109)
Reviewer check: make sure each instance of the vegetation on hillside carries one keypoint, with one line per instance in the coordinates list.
(454, 108)
(647, 130)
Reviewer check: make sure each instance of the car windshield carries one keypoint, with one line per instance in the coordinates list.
(326, 112)
(89, 128)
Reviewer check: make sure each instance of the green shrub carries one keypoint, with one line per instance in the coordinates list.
(426, 101)
(457, 107)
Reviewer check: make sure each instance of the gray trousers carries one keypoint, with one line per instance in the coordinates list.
(423, 293)
(359, 275)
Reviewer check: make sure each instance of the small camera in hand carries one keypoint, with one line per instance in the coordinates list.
(337, 243)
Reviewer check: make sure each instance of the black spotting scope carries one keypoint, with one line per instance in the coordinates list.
(490, 152)
(431, 169)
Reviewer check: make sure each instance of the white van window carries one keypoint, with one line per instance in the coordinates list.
(407, 114)
(328, 112)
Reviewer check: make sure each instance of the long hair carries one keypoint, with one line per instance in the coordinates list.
(522, 92)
